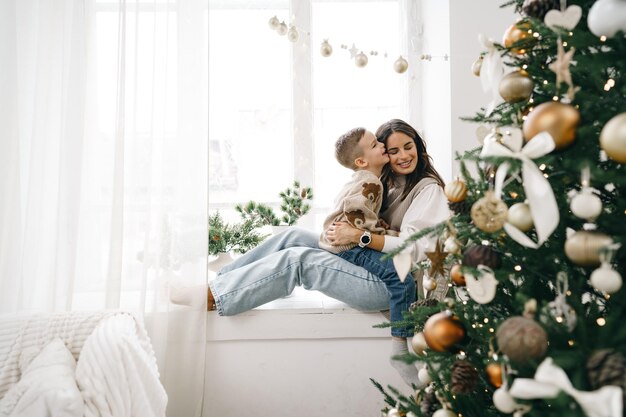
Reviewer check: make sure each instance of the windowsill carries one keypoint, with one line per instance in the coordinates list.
(302, 315)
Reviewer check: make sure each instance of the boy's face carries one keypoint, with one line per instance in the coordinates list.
(374, 152)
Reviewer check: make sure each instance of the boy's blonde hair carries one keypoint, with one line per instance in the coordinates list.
(347, 147)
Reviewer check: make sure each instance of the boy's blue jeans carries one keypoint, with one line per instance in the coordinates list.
(401, 294)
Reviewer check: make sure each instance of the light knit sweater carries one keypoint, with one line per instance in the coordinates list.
(358, 203)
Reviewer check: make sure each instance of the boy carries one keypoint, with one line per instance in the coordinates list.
(358, 203)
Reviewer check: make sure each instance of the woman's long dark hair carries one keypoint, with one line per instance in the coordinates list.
(424, 166)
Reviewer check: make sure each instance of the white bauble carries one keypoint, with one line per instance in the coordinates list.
(606, 17)
(418, 343)
(451, 245)
(394, 412)
(520, 217)
(282, 29)
(586, 205)
(444, 412)
(274, 23)
(606, 279)
(504, 401)
(424, 376)
(326, 49)
(429, 284)
(411, 414)
(292, 34)
(400, 65)
(360, 60)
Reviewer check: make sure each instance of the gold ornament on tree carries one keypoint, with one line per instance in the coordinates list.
(437, 257)
(613, 138)
(583, 247)
(522, 339)
(520, 217)
(456, 275)
(443, 332)
(489, 213)
(456, 190)
(561, 68)
(401, 65)
(519, 31)
(477, 65)
(558, 119)
(494, 374)
(516, 86)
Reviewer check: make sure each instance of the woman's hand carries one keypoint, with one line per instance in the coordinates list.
(342, 233)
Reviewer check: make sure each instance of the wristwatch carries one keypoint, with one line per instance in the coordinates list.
(365, 239)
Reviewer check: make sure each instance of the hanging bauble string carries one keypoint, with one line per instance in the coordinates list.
(607, 17)
(558, 119)
(477, 65)
(326, 49)
(360, 60)
(282, 29)
(522, 339)
(583, 247)
(292, 34)
(273, 23)
(516, 86)
(586, 205)
(613, 138)
(539, 8)
(520, 217)
(456, 190)
(489, 213)
(444, 331)
(516, 33)
(400, 65)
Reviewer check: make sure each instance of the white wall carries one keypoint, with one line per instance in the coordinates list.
(467, 20)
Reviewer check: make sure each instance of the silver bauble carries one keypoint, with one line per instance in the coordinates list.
(360, 60)
(326, 49)
(400, 65)
(520, 217)
(613, 138)
(292, 34)
(429, 284)
(586, 205)
(606, 279)
(282, 29)
(274, 23)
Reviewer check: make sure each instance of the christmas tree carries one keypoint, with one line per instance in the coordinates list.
(532, 324)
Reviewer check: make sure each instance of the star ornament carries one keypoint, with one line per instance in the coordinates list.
(561, 68)
(353, 51)
(436, 260)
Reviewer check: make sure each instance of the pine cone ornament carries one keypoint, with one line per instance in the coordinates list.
(426, 302)
(539, 8)
(607, 367)
(429, 404)
(464, 377)
(462, 207)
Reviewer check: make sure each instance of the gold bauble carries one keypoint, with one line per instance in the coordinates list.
(583, 247)
(476, 66)
(558, 119)
(326, 49)
(456, 191)
(516, 86)
(494, 374)
(360, 60)
(443, 331)
(515, 33)
(400, 65)
(489, 213)
(520, 216)
(613, 138)
(457, 276)
(522, 339)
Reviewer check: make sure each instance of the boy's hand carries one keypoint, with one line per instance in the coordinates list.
(342, 233)
(382, 223)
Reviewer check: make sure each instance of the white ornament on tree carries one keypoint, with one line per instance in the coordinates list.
(482, 290)
(444, 412)
(424, 376)
(605, 278)
(429, 284)
(503, 401)
(567, 19)
(606, 17)
(586, 205)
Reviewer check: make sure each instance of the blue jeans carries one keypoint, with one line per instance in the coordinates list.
(401, 294)
(273, 269)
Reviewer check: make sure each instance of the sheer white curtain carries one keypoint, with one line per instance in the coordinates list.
(103, 167)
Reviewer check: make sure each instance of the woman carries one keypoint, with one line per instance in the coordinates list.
(272, 270)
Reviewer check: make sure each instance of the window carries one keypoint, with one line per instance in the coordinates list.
(276, 107)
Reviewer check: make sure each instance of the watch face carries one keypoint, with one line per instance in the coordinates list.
(365, 239)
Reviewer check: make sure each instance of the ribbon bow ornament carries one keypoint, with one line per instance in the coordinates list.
(543, 208)
(550, 380)
(492, 71)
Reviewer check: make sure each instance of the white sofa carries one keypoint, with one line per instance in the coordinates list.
(78, 364)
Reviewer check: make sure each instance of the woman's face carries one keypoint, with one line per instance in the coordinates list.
(402, 153)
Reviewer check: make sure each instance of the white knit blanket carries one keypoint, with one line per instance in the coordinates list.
(116, 368)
